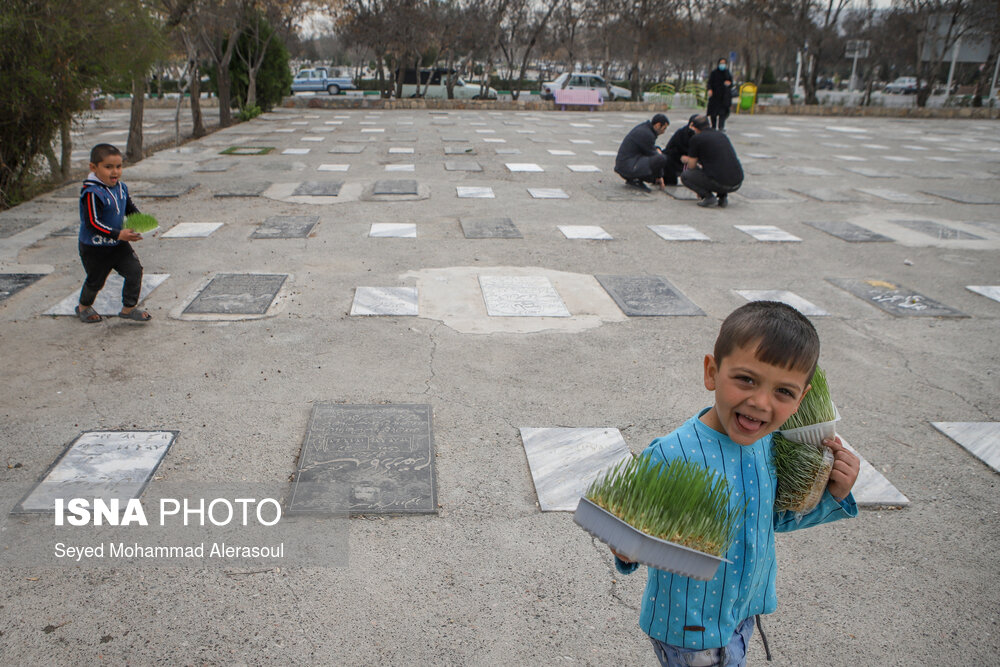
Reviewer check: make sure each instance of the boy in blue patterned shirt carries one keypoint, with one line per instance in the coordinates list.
(760, 369)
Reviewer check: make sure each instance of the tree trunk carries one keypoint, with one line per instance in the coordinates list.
(133, 151)
(67, 147)
(198, 125)
(55, 171)
(225, 114)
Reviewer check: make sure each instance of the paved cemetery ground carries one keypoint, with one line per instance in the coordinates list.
(438, 298)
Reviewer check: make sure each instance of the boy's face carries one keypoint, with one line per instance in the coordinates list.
(752, 398)
(109, 170)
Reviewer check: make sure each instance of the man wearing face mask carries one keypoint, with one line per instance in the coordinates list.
(720, 95)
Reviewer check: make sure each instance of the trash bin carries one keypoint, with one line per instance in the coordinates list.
(748, 98)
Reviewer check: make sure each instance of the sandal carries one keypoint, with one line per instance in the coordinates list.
(136, 315)
(88, 315)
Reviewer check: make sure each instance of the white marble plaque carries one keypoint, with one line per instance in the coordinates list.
(101, 464)
(898, 158)
(311, 138)
(402, 230)
(895, 196)
(385, 301)
(768, 233)
(191, 230)
(295, 151)
(583, 168)
(593, 232)
(524, 166)
(678, 233)
(605, 153)
(791, 298)
(395, 150)
(469, 192)
(564, 461)
(547, 193)
(553, 151)
(850, 158)
(333, 167)
(489, 140)
(400, 167)
(109, 299)
(982, 439)
(990, 291)
(521, 296)
(872, 489)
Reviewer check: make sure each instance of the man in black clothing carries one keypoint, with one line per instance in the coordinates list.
(713, 170)
(639, 160)
(675, 149)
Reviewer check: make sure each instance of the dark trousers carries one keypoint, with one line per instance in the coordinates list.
(704, 185)
(647, 168)
(673, 168)
(718, 120)
(98, 261)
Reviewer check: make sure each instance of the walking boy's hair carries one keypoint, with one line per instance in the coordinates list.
(782, 335)
(101, 151)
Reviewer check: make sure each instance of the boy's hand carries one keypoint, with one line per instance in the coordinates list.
(620, 557)
(129, 235)
(845, 469)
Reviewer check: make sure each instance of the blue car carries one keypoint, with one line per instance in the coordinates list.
(319, 79)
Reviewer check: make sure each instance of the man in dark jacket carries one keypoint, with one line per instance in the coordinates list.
(713, 170)
(639, 160)
(675, 149)
(720, 95)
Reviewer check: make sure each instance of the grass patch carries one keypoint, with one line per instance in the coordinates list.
(247, 150)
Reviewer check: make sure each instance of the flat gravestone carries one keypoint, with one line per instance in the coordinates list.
(828, 194)
(101, 464)
(589, 232)
(760, 194)
(213, 166)
(647, 296)
(401, 187)
(191, 230)
(981, 439)
(490, 228)
(989, 291)
(871, 173)
(459, 150)
(242, 189)
(896, 196)
(508, 151)
(808, 171)
(529, 167)
(11, 226)
(71, 230)
(452, 138)
(286, 227)
(333, 167)
(583, 168)
(401, 301)
(474, 192)
(12, 283)
(937, 230)
(895, 299)
(521, 296)
(383, 455)
(965, 197)
(681, 193)
(166, 190)
(848, 231)
(792, 299)
(617, 192)
(318, 189)
(400, 167)
(678, 233)
(872, 489)
(109, 299)
(398, 230)
(248, 150)
(462, 165)
(564, 461)
(547, 193)
(768, 233)
(237, 294)
(347, 149)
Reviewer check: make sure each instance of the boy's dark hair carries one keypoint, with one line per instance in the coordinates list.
(784, 336)
(101, 151)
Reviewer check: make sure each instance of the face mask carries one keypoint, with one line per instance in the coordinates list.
(722, 66)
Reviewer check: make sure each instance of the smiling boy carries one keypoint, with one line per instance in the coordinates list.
(761, 366)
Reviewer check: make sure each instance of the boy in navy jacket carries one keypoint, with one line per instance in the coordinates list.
(104, 241)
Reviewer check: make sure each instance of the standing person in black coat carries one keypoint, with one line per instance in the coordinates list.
(676, 148)
(639, 160)
(720, 95)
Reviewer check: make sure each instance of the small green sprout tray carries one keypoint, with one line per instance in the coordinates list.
(247, 150)
(642, 548)
(141, 222)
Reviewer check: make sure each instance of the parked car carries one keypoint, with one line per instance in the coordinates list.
(584, 81)
(319, 79)
(432, 84)
(904, 85)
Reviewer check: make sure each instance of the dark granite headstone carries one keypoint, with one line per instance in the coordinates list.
(937, 230)
(895, 299)
(347, 149)
(166, 190)
(618, 191)
(490, 228)
(286, 227)
(242, 189)
(647, 296)
(406, 186)
(12, 283)
(11, 226)
(462, 165)
(237, 294)
(318, 189)
(760, 194)
(459, 150)
(965, 197)
(848, 231)
(382, 454)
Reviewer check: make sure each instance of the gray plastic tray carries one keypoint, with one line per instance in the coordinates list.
(642, 548)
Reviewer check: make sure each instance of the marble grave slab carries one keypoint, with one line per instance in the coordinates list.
(583, 168)
(680, 193)
(459, 150)
(11, 226)
(521, 296)
(462, 165)
(754, 193)
(318, 189)
(591, 232)
(406, 186)
(618, 192)
(989, 291)
(402, 230)
(981, 439)
(564, 461)
(871, 173)
(828, 194)
(12, 283)
(547, 193)
(678, 233)
(937, 230)
(895, 299)
(804, 306)
(524, 167)
(474, 192)
(215, 166)
(101, 464)
(296, 151)
(896, 196)
(241, 188)
(768, 233)
(848, 231)
(647, 296)
(109, 299)
(400, 167)
(382, 454)
(237, 294)
(399, 301)
(872, 489)
(490, 228)
(165, 190)
(347, 149)
(286, 227)
(191, 230)
(247, 150)
(965, 197)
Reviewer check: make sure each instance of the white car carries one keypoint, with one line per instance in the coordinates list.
(904, 85)
(582, 81)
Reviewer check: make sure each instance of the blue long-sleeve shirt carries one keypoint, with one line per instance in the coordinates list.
(102, 212)
(696, 614)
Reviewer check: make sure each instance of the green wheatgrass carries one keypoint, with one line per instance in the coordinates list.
(816, 407)
(682, 502)
(802, 474)
(141, 222)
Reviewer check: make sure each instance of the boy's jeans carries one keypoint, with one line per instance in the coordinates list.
(732, 655)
